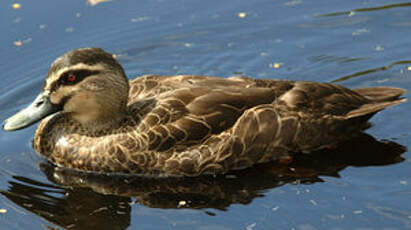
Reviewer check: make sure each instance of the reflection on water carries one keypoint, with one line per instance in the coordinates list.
(70, 208)
(328, 58)
(373, 70)
(94, 201)
(384, 7)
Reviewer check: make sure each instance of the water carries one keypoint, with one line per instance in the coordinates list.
(363, 185)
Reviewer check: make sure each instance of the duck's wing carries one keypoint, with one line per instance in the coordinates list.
(190, 115)
(321, 99)
(238, 126)
(152, 85)
(189, 109)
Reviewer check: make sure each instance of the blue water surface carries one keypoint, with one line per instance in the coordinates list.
(351, 42)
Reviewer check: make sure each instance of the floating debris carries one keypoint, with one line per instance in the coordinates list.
(276, 65)
(356, 212)
(379, 48)
(383, 80)
(335, 217)
(275, 208)
(278, 40)
(3, 210)
(403, 182)
(293, 3)
(230, 44)
(42, 27)
(95, 2)
(313, 202)
(16, 6)
(140, 19)
(251, 226)
(18, 43)
(409, 68)
(360, 31)
(27, 40)
(242, 14)
(69, 30)
(188, 44)
(182, 203)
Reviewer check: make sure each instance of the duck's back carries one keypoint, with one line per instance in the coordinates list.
(214, 124)
(200, 93)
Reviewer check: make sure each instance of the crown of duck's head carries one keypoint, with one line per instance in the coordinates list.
(88, 84)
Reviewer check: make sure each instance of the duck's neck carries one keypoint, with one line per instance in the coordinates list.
(100, 123)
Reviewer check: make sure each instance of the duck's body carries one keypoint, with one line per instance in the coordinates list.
(190, 125)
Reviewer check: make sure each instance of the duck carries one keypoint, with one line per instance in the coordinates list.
(94, 119)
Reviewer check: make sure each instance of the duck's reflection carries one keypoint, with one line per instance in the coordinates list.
(90, 201)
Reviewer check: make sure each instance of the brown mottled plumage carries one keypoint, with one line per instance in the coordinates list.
(190, 125)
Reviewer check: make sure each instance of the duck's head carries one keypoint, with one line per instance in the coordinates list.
(88, 84)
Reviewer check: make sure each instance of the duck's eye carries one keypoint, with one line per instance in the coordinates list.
(71, 78)
(74, 76)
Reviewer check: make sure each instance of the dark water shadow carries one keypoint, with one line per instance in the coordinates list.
(94, 201)
(367, 9)
(369, 71)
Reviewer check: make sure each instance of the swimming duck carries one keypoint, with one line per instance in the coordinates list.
(94, 119)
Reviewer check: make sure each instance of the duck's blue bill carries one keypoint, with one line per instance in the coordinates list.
(37, 110)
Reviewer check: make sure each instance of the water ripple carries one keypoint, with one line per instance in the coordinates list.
(368, 9)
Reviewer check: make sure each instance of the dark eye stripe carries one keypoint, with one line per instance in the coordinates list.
(80, 75)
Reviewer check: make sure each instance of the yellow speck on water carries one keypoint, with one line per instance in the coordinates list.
(379, 48)
(181, 203)
(242, 15)
(16, 6)
(313, 202)
(95, 2)
(409, 68)
(276, 65)
(18, 43)
(3, 210)
(187, 44)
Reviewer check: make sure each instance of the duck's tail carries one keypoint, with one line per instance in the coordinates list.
(381, 94)
(381, 98)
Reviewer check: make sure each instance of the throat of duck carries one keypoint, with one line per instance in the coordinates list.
(98, 120)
